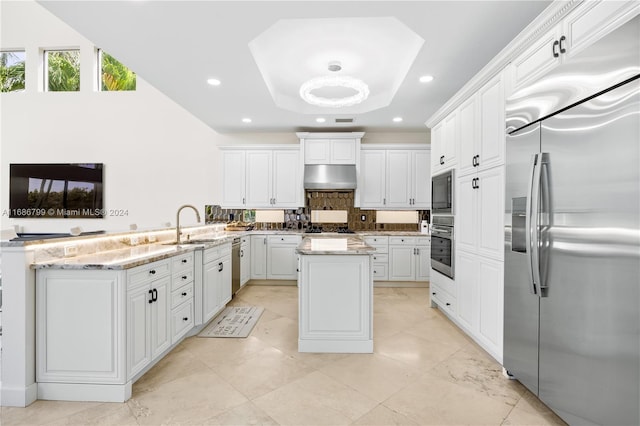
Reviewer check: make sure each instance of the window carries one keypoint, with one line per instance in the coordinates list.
(12, 71)
(62, 70)
(113, 75)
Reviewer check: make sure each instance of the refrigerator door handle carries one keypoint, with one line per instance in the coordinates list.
(532, 225)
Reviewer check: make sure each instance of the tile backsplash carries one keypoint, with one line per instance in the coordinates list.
(357, 219)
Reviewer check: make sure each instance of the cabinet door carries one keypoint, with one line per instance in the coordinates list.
(398, 192)
(258, 257)
(317, 151)
(465, 229)
(490, 296)
(224, 282)
(402, 265)
(160, 317)
(282, 262)
(245, 263)
(489, 212)
(492, 134)
(287, 183)
(233, 179)
(423, 265)
(343, 151)
(469, 135)
(138, 329)
(210, 285)
(421, 175)
(536, 61)
(467, 290)
(449, 144)
(436, 147)
(259, 184)
(372, 178)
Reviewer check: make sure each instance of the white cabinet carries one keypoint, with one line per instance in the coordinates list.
(380, 259)
(282, 262)
(480, 217)
(444, 144)
(258, 257)
(182, 290)
(409, 258)
(443, 293)
(395, 178)
(582, 27)
(330, 151)
(261, 178)
(245, 260)
(216, 282)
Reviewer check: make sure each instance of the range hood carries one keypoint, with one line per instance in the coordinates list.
(330, 176)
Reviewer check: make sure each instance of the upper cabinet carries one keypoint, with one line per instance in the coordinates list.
(261, 178)
(481, 128)
(395, 178)
(330, 148)
(444, 144)
(582, 27)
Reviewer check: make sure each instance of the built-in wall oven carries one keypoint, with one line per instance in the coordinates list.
(442, 253)
(442, 193)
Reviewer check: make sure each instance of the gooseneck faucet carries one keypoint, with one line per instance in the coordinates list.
(178, 220)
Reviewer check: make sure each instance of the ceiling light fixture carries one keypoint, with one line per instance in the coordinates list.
(397, 119)
(426, 78)
(246, 120)
(213, 82)
(334, 81)
(320, 120)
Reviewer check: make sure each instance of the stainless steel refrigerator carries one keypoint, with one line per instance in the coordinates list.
(572, 234)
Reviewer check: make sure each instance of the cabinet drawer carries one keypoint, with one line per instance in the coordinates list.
(284, 239)
(380, 258)
(245, 240)
(182, 294)
(445, 301)
(381, 244)
(216, 252)
(181, 321)
(423, 241)
(145, 273)
(402, 241)
(182, 262)
(380, 271)
(181, 279)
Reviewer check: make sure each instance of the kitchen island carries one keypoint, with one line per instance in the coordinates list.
(335, 296)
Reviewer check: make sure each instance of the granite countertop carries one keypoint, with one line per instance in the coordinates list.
(334, 245)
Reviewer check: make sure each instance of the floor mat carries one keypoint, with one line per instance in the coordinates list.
(234, 321)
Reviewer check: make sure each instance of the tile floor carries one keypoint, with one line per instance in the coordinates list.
(424, 371)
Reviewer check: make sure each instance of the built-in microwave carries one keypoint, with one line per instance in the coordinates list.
(442, 193)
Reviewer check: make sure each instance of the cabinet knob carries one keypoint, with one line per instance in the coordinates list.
(184, 293)
(220, 267)
(561, 45)
(434, 293)
(185, 319)
(152, 272)
(184, 277)
(553, 49)
(184, 261)
(448, 304)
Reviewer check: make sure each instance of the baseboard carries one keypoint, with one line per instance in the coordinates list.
(84, 392)
(410, 284)
(18, 397)
(273, 282)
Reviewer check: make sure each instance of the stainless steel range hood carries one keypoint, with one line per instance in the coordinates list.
(330, 176)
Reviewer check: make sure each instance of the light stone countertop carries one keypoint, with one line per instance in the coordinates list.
(354, 245)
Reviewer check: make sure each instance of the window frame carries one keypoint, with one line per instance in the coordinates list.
(45, 62)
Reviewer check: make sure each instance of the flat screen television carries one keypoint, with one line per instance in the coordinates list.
(71, 190)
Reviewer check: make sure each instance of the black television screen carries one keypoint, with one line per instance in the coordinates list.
(56, 191)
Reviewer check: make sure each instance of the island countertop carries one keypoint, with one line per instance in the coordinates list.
(331, 244)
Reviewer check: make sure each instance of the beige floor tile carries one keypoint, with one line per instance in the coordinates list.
(179, 363)
(521, 417)
(245, 414)
(104, 414)
(471, 368)
(281, 333)
(375, 376)
(315, 399)
(414, 351)
(42, 412)
(434, 401)
(315, 360)
(383, 416)
(215, 352)
(440, 329)
(190, 400)
(263, 372)
(530, 407)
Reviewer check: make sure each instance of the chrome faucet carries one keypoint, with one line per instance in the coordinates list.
(178, 220)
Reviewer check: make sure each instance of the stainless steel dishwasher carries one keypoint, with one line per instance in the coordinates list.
(235, 265)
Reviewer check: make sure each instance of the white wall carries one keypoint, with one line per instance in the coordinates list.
(157, 156)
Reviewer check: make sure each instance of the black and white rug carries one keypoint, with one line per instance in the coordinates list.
(234, 321)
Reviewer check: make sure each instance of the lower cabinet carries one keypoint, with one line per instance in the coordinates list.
(245, 260)
(216, 280)
(409, 258)
(380, 259)
(258, 257)
(273, 257)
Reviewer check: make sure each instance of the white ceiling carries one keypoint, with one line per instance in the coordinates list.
(177, 45)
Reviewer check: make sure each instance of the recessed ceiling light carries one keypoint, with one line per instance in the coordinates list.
(426, 78)
(213, 82)
(246, 120)
(321, 120)
(397, 119)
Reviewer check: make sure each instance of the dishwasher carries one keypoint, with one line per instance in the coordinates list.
(235, 265)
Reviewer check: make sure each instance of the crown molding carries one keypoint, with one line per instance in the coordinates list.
(549, 17)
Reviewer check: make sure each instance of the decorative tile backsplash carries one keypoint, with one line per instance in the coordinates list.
(357, 219)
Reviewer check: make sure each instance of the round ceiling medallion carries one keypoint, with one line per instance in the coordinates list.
(334, 81)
